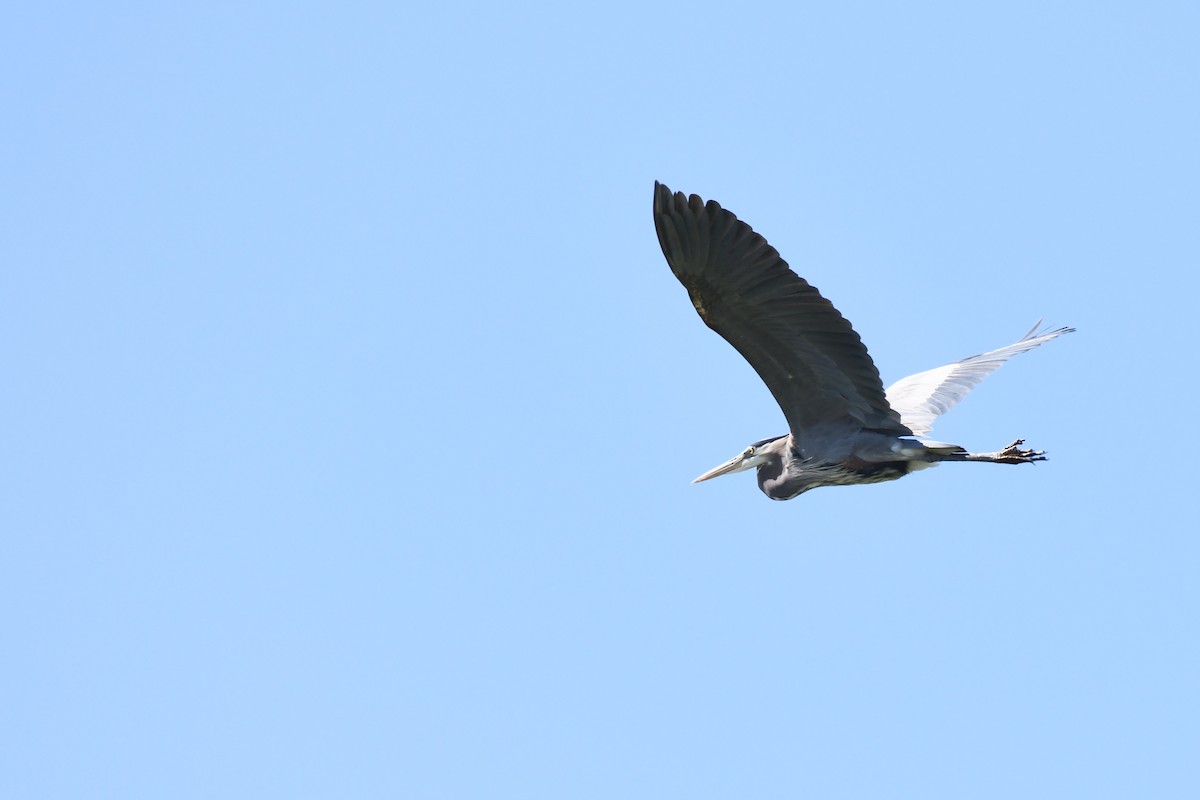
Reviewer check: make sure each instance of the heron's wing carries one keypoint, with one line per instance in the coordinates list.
(922, 398)
(804, 350)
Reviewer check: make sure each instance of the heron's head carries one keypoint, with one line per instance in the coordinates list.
(757, 454)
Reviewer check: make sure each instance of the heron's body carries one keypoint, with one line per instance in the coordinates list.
(844, 428)
(788, 473)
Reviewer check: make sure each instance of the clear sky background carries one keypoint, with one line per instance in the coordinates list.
(350, 407)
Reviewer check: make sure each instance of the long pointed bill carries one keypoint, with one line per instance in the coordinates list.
(735, 464)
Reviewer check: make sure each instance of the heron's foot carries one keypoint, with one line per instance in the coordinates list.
(1015, 454)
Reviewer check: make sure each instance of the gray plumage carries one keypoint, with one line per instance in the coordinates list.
(844, 428)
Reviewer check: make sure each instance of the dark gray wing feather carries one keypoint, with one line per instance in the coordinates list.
(806, 353)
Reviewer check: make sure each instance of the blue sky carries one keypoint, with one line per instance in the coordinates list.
(351, 407)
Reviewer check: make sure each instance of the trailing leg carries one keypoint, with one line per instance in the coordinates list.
(1013, 454)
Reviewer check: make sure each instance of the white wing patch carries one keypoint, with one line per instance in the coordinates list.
(922, 398)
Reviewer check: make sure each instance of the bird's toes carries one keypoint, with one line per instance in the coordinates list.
(1015, 454)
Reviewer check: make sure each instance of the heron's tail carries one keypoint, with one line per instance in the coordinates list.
(942, 448)
(922, 454)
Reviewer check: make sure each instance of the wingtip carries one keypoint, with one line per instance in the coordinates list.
(662, 197)
(1034, 333)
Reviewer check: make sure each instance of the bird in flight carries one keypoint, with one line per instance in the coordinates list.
(844, 429)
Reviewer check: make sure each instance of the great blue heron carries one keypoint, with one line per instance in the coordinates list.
(844, 428)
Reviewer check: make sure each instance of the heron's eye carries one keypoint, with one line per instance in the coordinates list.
(749, 452)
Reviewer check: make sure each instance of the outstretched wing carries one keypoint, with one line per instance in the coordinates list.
(804, 350)
(922, 398)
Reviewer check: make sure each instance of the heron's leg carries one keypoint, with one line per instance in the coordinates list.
(1013, 454)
